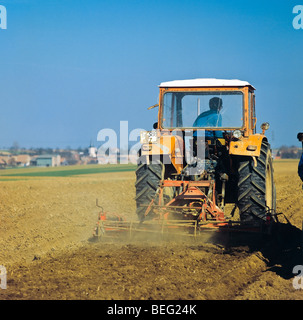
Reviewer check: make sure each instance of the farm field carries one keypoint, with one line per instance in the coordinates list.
(47, 217)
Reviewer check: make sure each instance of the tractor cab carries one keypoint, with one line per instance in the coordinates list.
(208, 104)
(220, 110)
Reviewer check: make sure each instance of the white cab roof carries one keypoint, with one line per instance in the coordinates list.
(206, 82)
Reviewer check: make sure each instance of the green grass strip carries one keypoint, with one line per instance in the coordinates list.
(59, 172)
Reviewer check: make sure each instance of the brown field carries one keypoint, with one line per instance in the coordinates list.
(46, 224)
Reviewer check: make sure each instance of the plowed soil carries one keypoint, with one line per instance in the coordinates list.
(46, 246)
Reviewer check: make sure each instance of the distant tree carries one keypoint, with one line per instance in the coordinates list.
(39, 151)
(15, 147)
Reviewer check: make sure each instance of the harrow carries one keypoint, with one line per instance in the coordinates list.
(191, 213)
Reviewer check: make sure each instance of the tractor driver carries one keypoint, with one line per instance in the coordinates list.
(211, 118)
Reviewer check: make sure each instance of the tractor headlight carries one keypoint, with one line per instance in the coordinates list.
(148, 137)
(237, 134)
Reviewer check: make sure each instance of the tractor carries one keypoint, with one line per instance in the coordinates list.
(204, 160)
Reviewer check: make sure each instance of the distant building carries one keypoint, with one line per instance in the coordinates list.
(4, 161)
(23, 160)
(92, 152)
(47, 161)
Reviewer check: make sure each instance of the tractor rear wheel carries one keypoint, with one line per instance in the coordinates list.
(256, 188)
(148, 177)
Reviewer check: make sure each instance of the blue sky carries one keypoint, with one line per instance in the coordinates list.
(71, 68)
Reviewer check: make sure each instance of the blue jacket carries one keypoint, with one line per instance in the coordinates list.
(300, 168)
(210, 118)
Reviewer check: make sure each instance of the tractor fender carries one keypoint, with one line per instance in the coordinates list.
(247, 146)
(167, 145)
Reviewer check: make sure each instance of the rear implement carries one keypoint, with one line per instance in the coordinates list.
(189, 215)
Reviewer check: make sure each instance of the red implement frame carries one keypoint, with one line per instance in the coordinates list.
(191, 209)
(191, 200)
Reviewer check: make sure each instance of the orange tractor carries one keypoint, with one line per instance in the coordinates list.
(204, 161)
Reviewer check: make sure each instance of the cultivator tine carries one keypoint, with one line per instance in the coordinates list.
(112, 229)
(172, 229)
(187, 228)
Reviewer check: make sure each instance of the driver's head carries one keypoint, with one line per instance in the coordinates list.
(215, 104)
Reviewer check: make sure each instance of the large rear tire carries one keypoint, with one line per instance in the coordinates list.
(148, 177)
(256, 188)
